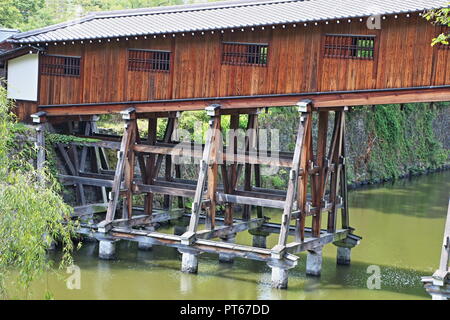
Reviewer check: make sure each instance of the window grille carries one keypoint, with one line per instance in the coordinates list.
(55, 65)
(245, 54)
(148, 60)
(349, 46)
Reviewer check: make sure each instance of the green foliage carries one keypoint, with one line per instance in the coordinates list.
(55, 138)
(32, 213)
(26, 14)
(440, 17)
(404, 141)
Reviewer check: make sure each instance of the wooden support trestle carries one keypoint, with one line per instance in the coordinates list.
(226, 176)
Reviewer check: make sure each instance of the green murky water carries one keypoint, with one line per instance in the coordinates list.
(401, 226)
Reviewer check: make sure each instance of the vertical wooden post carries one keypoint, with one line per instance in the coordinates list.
(318, 198)
(177, 166)
(129, 171)
(76, 163)
(257, 167)
(232, 175)
(345, 212)
(213, 112)
(98, 156)
(127, 140)
(293, 180)
(303, 181)
(168, 177)
(250, 147)
(40, 145)
(150, 165)
(335, 177)
(213, 171)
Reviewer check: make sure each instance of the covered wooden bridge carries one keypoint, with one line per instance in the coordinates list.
(229, 59)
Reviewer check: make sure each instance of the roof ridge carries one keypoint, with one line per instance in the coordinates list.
(52, 27)
(134, 22)
(149, 11)
(187, 7)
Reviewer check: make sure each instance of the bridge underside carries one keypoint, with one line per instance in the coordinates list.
(227, 179)
(322, 100)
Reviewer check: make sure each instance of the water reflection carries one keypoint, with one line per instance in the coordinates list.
(401, 226)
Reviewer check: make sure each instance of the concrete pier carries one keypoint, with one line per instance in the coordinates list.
(145, 246)
(343, 256)
(259, 241)
(279, 278)
(314, 262)
(189, 263)
(107, 250)
(179, 230)
(225, 257)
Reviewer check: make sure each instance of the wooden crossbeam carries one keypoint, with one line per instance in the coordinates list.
(139, 220)
(89, 209)
(222, 231)
(317, 241)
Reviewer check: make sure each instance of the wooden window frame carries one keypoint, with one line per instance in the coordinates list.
(147, 64)
(251, 56)
(337, 48)
(68, 68)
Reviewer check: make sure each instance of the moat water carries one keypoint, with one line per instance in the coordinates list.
(402, 229)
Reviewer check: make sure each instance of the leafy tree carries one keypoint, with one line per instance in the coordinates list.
(441, 17)
(19, 13)
(26, 15)
(32, 213)
(106, 5)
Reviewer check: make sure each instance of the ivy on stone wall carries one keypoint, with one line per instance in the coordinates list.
(400, 140)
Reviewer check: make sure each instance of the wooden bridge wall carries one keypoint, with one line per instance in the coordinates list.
(404, 58)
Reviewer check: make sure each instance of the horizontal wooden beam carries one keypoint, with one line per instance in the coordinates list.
(222, 231)
(89, 209)
(261, 202)
(186, 150)
(140, 220)
(323, 239)
(68, 180)
(320, 99)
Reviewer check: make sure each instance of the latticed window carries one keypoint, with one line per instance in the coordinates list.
(148, 60)
(246, 54)
(55, 65)
(349, 46)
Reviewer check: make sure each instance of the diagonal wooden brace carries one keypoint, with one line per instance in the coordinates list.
(127, 140)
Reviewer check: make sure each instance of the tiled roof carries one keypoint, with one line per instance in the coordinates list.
(217, 16)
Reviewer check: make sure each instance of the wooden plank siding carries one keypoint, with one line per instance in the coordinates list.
(404, 58)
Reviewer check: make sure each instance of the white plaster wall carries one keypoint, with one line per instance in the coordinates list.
(23, 77)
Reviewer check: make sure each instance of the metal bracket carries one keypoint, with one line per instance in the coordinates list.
(278, 252)
(188, 238)
(303, 105)
(127, 113)
(39, 117)
(213, 110)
